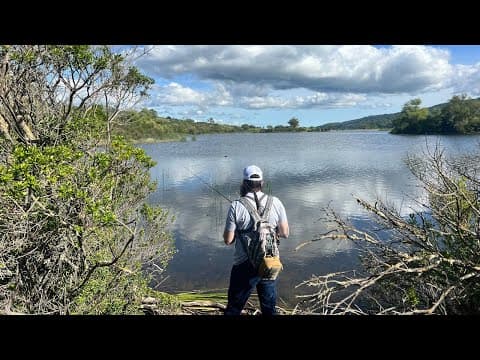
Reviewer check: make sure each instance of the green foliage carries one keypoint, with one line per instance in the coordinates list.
(100, 296)
(168, 303)
(146, 124)
(53, 172)
(35, 170)
(461, 115)
(293, 122)
(434, 123)
(411, 119)
(75, 228)
(412, 298)
(86, 127)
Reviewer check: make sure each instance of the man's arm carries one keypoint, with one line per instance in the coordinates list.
(228, 237)
(230, 225)
(283, 229)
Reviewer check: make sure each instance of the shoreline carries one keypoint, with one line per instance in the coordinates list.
(184, 138)
(192, 137)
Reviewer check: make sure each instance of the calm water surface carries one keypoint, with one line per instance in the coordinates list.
(307, 171)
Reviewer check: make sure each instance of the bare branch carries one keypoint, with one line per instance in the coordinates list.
(428, 262)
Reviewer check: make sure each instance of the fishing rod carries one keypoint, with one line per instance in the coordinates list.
(210, 186)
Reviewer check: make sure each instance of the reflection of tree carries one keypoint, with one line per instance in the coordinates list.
(304, 196)
(429, 265)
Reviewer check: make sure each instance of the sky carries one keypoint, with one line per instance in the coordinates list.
(266, 85)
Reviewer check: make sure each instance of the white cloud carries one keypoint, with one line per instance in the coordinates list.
(176, 94)
(467, 79)
(352, 69)
(301, 77)
(316, 100)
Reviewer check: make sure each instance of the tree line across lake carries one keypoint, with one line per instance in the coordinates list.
(146, 124)
(461, 115)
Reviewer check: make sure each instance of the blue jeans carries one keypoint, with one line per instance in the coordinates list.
(242, 281)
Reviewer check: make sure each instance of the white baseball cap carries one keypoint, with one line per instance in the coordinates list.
(250, 171)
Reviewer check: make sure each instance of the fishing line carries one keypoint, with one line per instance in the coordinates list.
(210, 186)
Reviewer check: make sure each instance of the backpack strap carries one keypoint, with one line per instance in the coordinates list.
(251, 210)
(268, 206)
(255, 217)
(260, 200)
(261, 208)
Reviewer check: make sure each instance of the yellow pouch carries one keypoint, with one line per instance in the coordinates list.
(270, 267)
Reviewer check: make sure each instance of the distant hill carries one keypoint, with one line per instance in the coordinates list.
(383, 121)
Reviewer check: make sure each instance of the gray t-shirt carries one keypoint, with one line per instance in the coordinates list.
(239, 218)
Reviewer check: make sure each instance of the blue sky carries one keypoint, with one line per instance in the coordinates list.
(269, 84)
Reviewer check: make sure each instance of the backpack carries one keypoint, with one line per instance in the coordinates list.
(260, 241)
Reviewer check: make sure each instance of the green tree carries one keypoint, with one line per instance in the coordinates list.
(460, 115)
(75, 228)
(412, 118)
(293, 122)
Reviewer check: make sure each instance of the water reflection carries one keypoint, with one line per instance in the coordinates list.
(306, 171)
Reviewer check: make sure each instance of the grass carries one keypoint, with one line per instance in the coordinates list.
(199, 295)
(220, 296)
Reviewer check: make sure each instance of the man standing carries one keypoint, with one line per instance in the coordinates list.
(244, 277)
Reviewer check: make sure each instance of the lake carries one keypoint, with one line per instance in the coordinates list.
(307, 171)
